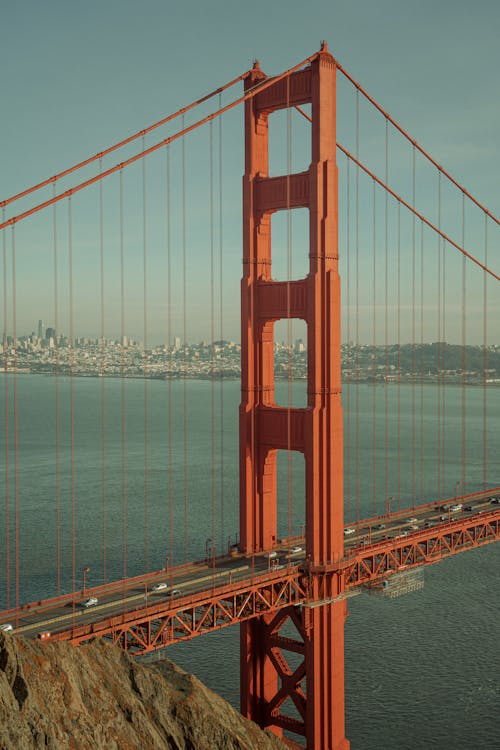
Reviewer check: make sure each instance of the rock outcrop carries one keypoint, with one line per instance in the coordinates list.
(95, 696)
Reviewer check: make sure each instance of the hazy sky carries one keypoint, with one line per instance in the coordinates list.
(78, 77)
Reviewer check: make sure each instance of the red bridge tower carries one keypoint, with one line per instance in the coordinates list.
(316, 686)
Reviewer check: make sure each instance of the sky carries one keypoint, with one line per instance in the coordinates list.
(78, 77)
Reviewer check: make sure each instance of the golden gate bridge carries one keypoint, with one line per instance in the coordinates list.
(413, 264)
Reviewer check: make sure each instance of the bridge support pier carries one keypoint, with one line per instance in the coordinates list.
(310, 692)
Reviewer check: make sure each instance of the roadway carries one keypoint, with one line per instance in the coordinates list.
(173, 586)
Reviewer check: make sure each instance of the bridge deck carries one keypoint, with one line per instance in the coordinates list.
(148, 612)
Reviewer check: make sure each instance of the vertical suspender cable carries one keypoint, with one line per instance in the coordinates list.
(184, 344)
(122, 385)
(413, 271)
(103, 381)
(374, 357)
(170, 350)
(386, 315)
(356, 322)
(485, 353)
(464, 352)
(16, 417)
(421, 469)
(288, 304)
(398, 441)
(6, 393)
(221, 324)
(348, 322)
(439, 352)
(72, 396)
(145, 360)
(443, 329)
(212, 338)
(57, 399)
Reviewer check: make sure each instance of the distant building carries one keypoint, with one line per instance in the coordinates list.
(41, 330)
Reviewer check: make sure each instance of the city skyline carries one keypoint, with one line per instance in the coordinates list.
(177, 342)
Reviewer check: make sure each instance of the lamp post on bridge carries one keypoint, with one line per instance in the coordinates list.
(388, 505)
(85, 571)
(457, 485)
(208, 548)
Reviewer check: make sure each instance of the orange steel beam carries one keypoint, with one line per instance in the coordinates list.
(316, 431)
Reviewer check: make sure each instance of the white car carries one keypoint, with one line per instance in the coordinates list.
(294, 550)
(349, 531)
(272, 554)
(412, 520)
(90, 602)
(6, 627)
(159, 586)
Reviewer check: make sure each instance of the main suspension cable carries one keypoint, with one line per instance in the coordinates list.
(259, 88)
(418, 214)
(124, 142)
(419, 148)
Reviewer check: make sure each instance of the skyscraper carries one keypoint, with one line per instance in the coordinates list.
(41, 330)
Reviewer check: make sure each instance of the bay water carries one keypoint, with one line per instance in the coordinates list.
(156, 464)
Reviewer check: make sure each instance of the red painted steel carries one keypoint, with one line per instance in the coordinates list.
(316, 430)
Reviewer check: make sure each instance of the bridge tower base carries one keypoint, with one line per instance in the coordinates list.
(269, 680)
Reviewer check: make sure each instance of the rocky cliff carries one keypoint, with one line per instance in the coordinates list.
(57, 696)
